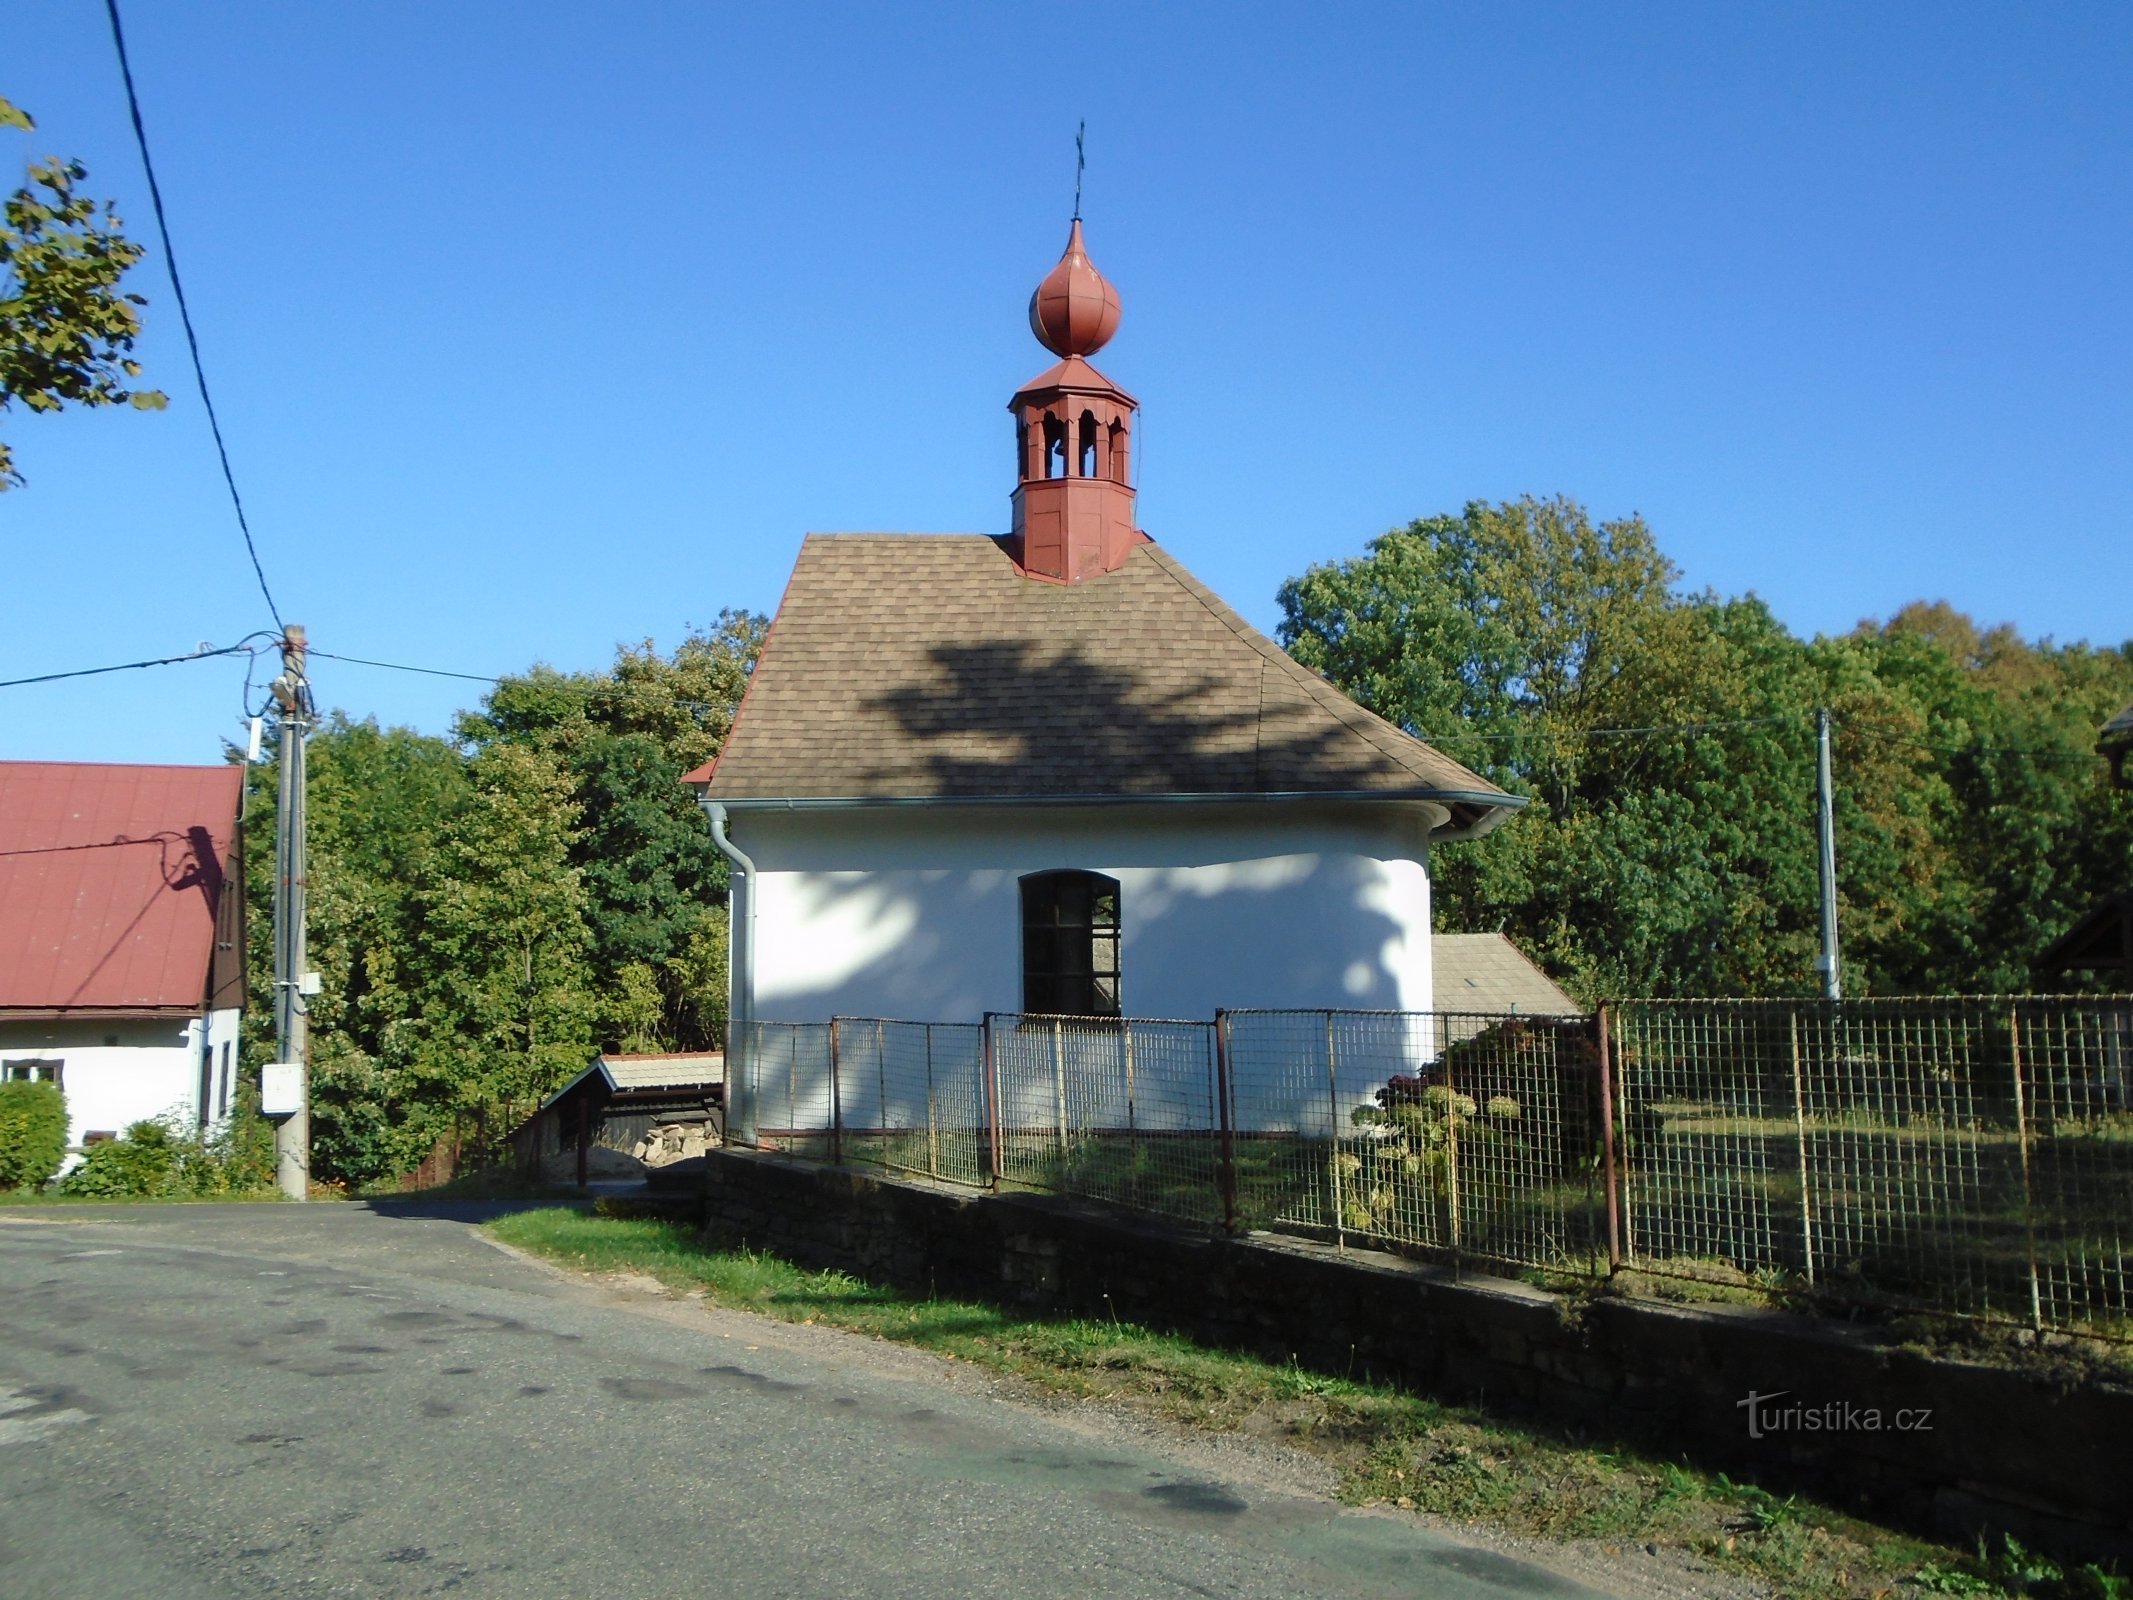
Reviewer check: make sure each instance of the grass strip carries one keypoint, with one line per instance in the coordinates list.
(1389, 1447)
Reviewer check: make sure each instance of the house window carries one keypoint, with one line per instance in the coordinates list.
(1070, 944)
(29, 1071)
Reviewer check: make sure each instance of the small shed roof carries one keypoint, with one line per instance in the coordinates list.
(1487, 972)
(115, 881)
(622, 1073)
(2101, 941)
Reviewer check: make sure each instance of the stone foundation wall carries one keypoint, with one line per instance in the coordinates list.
(1999, 1451)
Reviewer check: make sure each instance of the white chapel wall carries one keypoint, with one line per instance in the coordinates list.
(917, 913)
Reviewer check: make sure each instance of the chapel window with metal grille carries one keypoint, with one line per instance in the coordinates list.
(1070, 944)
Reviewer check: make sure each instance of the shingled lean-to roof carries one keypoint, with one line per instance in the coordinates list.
(926, 666)
(1486, 972)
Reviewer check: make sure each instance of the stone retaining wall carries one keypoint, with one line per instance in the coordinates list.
(2000, 1451)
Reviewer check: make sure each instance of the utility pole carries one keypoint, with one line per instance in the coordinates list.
(1825, 818)
(289, 1098)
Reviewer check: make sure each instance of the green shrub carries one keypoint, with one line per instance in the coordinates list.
(139, 1164)
(33, 1134)
(158, 1160)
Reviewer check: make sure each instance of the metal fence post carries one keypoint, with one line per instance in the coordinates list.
(993, 1152)
(1451, 1155)
(1226, 1174)
(1607, 1146)
(2029, 1197)
(1625, 1208)
(1059, 1080)
(933, 1129)
(1799, 1124)
(1333, 1138)
(836, 1102)
(1133, 1136)
(881, 1088)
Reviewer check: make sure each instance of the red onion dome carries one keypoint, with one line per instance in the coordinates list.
(1075, 310)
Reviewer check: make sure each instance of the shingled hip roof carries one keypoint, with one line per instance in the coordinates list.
(112, 880)
(927, 667)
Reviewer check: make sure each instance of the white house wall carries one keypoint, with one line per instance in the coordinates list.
(116, 1073)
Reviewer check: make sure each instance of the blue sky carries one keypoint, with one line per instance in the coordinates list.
(538, 327)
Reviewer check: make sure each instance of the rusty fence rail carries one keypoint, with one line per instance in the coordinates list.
(1962, 1156)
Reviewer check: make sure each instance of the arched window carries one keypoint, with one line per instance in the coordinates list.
(1116, 471)
(1087, 464)
(1070, 944)
(1055, 448)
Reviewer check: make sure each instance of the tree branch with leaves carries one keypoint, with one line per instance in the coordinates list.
(66, 329)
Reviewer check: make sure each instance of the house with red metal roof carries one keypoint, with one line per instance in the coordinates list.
(122, 938)
(1052, 772)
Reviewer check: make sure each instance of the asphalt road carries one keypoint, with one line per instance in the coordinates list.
(218, 1401)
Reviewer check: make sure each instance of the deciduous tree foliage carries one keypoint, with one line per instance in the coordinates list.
(488, 910)
(1974, 820)
(65, 327)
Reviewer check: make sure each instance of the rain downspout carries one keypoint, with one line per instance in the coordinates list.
(740, 980)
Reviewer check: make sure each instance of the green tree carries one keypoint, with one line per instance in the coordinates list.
(656, 886)
(1678, 856)
(65, 326)
(497, 948)
(379, 803)
(486, 910)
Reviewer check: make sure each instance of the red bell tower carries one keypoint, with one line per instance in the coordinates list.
(1074, 501)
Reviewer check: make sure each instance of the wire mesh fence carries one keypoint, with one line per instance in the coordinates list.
(1125, 1110)
(1466, 1135)
(910, 1097)
(1972, 1156)
(1967, 1156)
(784, 1078)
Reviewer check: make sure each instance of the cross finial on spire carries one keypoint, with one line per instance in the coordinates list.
(1080, 160)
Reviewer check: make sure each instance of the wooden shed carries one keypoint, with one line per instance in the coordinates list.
(627, 1117)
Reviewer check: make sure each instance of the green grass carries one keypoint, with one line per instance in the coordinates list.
(1388, 1447)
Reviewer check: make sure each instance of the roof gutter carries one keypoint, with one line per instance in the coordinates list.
(1492, 805)
(740, 978)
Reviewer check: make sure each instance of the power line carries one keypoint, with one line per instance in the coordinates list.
(129, 666)
(619, 691)
(185, 316)
(401, 666)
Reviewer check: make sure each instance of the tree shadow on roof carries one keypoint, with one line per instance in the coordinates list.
(1001, 718)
